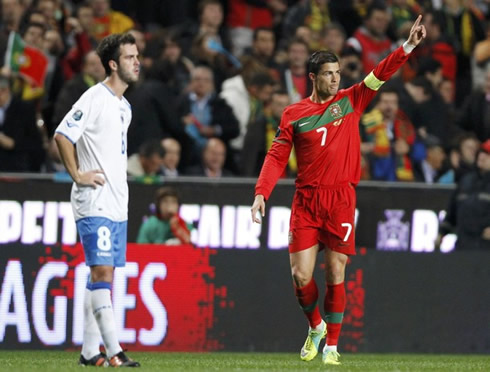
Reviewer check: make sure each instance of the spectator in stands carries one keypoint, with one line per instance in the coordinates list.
(481, 60)
(21, 147)
(171, 159)
(468, 212)
(351, 67)
(475, 113)
(148, 161)
(11, 15)
(430, 169)
(370, 39)
(244, 94)
(81, 39)
(166, 226)
(92, 73)
(244, 16)
(462, 158)
(213, 161)
(108, 21)
(388, 136)
(294, 75)
(263, 46)
(334, 39)
(314, 14)
(204, 114)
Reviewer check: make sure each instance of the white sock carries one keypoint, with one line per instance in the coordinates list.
(329, 348)
(102, 308)
(321, 326)
(91, 334)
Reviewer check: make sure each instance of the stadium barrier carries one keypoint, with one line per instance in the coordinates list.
(232, 290)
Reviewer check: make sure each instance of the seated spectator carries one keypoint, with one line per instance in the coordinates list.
(166, 227)
(430, 169)
(333, 38)
(462, 158)
(351, 67)
(480, 63)
(148, 161)
(171, 159)
(213, 161)
(263, 46)
(388, 136)
(205, 114)
(294, 76)
(21, 148)
(468, 213)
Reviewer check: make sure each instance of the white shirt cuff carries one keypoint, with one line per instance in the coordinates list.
(407, 48)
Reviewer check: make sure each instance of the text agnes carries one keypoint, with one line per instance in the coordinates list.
(50, 324)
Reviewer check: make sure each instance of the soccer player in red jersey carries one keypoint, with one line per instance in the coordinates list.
(324, 129)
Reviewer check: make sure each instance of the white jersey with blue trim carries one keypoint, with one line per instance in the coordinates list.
(98, 124)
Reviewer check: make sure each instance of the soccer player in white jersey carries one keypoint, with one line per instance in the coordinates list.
(98, 124)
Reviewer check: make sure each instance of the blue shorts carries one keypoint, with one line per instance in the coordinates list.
(103, 240)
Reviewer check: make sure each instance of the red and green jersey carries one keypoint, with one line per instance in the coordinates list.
(325, 135)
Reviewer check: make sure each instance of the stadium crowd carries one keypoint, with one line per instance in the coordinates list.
(217, 74)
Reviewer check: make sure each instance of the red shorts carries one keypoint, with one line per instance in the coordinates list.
(323, 215)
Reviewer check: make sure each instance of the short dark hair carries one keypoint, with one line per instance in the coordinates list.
(259, 29)
(318, 59)
(151, 147)
(375, 5)
(109, 49)
(33, 24)
(261, 79)
(164, 192)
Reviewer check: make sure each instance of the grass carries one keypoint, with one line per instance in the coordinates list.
(66, 361)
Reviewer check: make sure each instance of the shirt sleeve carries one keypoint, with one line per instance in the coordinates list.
(364, 92)
(276, 159)
(83, 112)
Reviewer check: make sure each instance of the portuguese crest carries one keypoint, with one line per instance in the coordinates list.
(335, 110)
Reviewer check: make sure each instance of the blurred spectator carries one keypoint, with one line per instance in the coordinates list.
(294, 75)
(465, 30)
(210, 22)
(166, 227)
(81, 39)
(314, 14)
(481, 60)
(351, 67)
(154, 111)
(204, 114)
(244, 16)
(171, 159)
(475, 113)
(92, 73)
(148, 161)
(12, 11)
(263, 46)
(468, 212)
(213, 161)
(246, 96)
(403, 11)
(260, 134)
(430, 169)
(52, 11)
(333, 38)
(462, 158)
(370, 39)
(108, 21)
(53, 162)
(21, 147)
(387, 139)
(141, 45)
(446, 91)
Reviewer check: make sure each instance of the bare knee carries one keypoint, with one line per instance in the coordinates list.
(101, 274)
(301, 277)
(335, 269)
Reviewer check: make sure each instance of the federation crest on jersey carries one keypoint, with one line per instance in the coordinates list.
(335, 110)
(77, 115)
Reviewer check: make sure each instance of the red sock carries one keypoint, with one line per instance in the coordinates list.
(334, 311)
(308, 298)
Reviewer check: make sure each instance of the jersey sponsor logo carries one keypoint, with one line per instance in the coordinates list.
(335, 110)
(77, 115)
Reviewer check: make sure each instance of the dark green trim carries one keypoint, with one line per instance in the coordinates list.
(313, 122)
(309, 308)
(334, 317)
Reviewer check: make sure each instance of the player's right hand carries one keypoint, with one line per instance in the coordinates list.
(91, 178)
(259, 204)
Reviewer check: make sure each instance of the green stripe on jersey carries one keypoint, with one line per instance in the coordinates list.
(334, 317)
(334, 112)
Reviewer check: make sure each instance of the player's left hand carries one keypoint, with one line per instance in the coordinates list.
(417, 33)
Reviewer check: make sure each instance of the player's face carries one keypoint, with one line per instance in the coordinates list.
(128, 68)
(326, 82)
